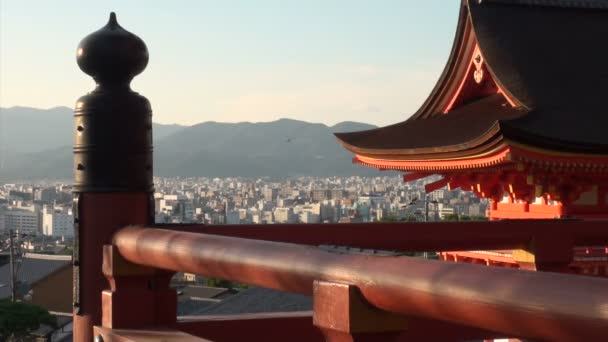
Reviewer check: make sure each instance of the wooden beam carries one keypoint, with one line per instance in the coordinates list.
(343, 315)
(430, 187)
(414, 236)
(412, 176)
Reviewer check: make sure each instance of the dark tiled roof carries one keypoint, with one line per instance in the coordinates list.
(589, 4)
(30, 270)
(549, 56)
(459, 127)
(259, 300)
(189, 307)
(201, 292)
(555, 62)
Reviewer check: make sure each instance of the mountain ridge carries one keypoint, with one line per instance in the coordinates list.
(41, 139)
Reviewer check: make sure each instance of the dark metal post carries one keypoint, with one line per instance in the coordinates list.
(112, 160)
(426, 208)
(11, 248)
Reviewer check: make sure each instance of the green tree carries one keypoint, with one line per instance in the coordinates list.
(389, 219)
(456, 217)
(213, 282)
(479, 218)
(18, 319)
(69, 250)
(451, 217)
(409, 218)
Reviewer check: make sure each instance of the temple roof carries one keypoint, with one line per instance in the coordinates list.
(548, 61)
(465, 127)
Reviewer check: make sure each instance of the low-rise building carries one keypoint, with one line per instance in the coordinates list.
(21, 220)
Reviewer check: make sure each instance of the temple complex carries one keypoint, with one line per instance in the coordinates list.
(517, 116)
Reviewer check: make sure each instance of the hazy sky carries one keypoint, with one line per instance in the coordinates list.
(259, 60)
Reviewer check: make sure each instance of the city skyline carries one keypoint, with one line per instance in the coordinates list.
(319, 62)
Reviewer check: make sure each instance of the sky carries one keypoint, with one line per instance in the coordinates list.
(324, 61)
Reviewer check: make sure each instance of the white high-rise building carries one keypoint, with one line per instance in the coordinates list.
(284, 215)
(56, 223)
(309, 217)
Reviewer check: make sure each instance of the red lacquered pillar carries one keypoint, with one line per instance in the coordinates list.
(112, 161)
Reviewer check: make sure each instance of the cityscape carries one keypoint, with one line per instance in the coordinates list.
(334, 198)
(37, 221)
(44, 211)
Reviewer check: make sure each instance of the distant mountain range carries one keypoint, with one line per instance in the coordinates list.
(37, 144)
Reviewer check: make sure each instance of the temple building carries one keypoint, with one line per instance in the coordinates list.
(517, 116)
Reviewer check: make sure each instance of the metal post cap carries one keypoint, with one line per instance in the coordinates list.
(113, 124)
(112, 54)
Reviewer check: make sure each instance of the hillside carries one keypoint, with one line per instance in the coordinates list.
(37, 144)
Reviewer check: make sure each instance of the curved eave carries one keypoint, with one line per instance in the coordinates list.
(506, 154)
(531, 48)
(528, 55)
(469, 129)
(554, 159)
(524, 137)
(500, 156)
(490, 137)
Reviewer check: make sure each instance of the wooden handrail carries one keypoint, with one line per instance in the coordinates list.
(418, 236)
(548, 306)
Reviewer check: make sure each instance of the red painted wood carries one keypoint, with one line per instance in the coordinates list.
(101, 215)
(342, 314)
(430, 187)
(592, 164)
(504, 260)
(408, 177)
(416, 236)
(509, 301)
(499, 157)
(298, 327)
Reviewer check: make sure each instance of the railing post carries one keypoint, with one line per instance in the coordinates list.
(343, 315)
(112, 161)
(138, 297)
(546, 253)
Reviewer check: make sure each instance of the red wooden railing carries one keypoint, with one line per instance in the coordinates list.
(356, 297)
(466, 301)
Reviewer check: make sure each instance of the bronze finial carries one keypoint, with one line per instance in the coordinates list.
(113, 128)
(112, 55)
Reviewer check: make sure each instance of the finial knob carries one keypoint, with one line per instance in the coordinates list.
(113, 124)
(112, 55)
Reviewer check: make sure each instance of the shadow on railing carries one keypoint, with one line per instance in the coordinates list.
(362, 297)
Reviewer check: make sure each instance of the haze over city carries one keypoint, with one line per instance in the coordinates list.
(318, 61)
